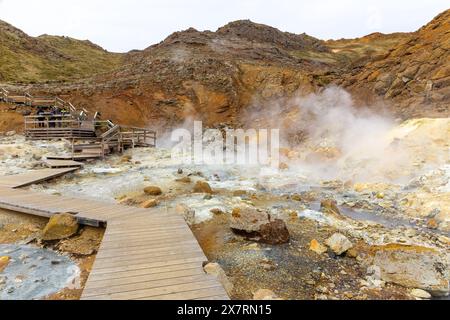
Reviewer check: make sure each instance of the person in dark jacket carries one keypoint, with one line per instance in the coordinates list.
(41, 118)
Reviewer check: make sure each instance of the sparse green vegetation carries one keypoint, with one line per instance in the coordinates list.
(47, 58)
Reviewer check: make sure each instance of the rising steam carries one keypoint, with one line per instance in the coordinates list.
(338, 140)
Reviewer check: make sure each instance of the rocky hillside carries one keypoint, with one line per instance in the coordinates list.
(45, 58)
(246, 67)
(415, 74)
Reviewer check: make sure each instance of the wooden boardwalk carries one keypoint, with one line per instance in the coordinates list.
(33, 177)
(145, 253)
(62, 163)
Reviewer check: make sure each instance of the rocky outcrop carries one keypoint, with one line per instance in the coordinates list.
(413, 267)
(414, 75)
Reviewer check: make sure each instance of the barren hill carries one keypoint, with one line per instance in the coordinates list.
(45, 58)
(215, 76)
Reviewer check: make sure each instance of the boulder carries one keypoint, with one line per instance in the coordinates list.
(413, 267)
(274, 232)
(317, 247)
(265, 294)
(149, 204)
(4, 261)
(153, 191)
(60, 226)
(248, 219)
(258, 224)
(420, 294)
(214, 269)
(184, 180)
(339, 244)
(329, 206)
(202, 187)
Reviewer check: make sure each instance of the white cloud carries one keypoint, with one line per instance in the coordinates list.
(122, 25)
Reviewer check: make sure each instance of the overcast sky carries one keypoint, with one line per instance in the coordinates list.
(123, 25)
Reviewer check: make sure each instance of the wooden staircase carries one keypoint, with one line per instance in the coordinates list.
(77, 127)
(115, 139)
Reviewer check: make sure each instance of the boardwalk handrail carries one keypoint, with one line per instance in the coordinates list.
(31, 100)
(44, 122)
(139, 135)
(4, 94)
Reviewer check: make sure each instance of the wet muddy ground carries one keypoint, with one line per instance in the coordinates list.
(37, 270)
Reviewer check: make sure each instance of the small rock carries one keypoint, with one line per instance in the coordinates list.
(284, 166)
(60, 226)
(126, 158)
(352, 253)
(149, 204)
(180, 171)
(4, 261)
(411, 233)
(239, 193)
(264, 294)
(296, 197)
(380, 195)
(216, 270)
(10, 133)
(217, 212)
(317, 247)
(433, 224)
(153, 191)
(268, 265)
(322, 289)
(330, 206)
(421, 294)
(203, 187)
(339, 244)
(184, 180)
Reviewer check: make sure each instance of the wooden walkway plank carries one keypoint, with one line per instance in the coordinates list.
(62, 163)
(33, 177)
